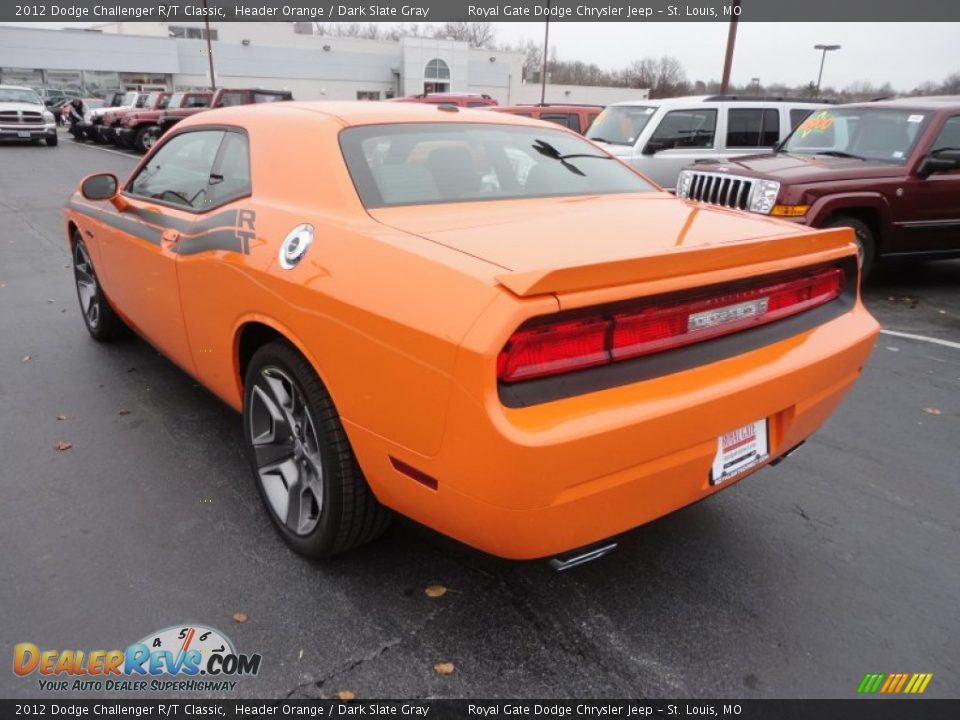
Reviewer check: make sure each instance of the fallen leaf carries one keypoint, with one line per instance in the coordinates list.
(346, 695)
(60, 445)
(942, 312)
(240, 617)
(123, 411)
(51, 300)
(26, 358)
(300, 656)
(444, 668)
(435, 591)
(933, 411)
(61, 417)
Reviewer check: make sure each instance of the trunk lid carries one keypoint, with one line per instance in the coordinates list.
(555, 245)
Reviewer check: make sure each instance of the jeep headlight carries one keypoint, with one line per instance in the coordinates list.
(684, 180)
(763, 196)
(48, 117)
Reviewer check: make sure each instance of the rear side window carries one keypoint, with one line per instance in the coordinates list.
(685, 129)
(949, 137)
(567, 120)
(268, 97)
(230, 99)
(797, 116)
(753, 127)
(230, 178)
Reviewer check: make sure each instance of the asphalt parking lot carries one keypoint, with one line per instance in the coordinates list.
(795, 582)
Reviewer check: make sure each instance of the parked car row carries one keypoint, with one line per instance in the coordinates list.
(138, 119)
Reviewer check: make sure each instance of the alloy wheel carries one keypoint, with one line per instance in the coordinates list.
(287, 454)
(86, 280)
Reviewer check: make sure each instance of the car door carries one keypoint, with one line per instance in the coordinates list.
(164, 200)
(682, 137)
(931, 212)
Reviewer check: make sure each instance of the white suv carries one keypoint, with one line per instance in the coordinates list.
(661, 137)
(23, 115)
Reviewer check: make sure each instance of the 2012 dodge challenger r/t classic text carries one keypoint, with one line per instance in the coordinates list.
(477, 320)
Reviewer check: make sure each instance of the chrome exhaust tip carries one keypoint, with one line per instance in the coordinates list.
(581, 556)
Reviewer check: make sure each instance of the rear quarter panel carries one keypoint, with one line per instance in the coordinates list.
(378, 313)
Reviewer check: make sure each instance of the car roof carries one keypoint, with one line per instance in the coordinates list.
(356, 112)
(547, 107)
(16, 87)
(931, 102)
(693, 99)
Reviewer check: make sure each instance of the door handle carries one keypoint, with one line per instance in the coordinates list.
(170, 236)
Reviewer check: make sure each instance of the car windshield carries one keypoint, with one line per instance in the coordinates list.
(422, 163)
(620, 124)
(879, 134)
(20, 95)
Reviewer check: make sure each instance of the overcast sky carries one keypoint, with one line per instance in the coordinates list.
(904, 54)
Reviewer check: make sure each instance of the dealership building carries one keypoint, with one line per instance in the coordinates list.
(271, 55)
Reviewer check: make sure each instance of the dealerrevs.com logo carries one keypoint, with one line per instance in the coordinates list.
(179, 658)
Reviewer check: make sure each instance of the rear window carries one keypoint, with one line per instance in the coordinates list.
(424, 163)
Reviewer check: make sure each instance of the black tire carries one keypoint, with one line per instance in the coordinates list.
(867, 246)
(52, 140)
(145, 138)
(335, 510)
(102, 322)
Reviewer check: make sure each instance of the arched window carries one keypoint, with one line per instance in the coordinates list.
(437, 69)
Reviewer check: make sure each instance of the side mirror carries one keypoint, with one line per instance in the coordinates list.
(102, 186)
(939, 161)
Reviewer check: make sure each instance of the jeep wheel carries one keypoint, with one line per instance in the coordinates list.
(306, 472)
(146, 138)
(866, 245)
(52, 140)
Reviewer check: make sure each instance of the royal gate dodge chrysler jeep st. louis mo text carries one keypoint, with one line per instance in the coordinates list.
(528, 366)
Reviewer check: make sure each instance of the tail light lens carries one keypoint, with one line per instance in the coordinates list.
(651, 327)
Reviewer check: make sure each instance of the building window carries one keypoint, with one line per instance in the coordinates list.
(437, 69)
(192, 33)
(368, 94)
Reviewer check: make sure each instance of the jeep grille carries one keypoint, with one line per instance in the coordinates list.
(721, 189)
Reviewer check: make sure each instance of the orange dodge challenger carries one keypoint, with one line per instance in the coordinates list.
(480, 321)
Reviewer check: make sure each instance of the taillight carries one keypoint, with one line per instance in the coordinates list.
(651, 326)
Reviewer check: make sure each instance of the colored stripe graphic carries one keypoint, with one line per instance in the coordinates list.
(894, 683)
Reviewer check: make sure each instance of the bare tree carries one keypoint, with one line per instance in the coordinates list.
(475, 34)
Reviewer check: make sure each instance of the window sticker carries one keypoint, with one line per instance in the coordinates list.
(898, 154)
(817, 123)
(915, 118)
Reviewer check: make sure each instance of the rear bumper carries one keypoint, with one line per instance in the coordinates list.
(537, 481)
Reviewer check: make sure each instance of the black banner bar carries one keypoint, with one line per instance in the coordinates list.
(417, 11)
(854, 709)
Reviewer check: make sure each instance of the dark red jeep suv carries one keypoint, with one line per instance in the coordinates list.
(888, 169)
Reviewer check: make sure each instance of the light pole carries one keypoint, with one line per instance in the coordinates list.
(206, 21)
(823, 58)
(728, 58)
(546, 50)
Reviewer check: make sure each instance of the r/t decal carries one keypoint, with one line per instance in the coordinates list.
(246, 229)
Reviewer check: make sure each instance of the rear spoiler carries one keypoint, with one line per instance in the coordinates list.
(690, 261)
